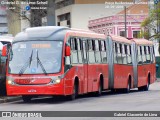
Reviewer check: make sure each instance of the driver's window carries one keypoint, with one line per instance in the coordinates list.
(74, 50)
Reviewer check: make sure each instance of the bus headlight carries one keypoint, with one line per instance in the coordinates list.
(55, 80)
(10, 81)
(58, 80)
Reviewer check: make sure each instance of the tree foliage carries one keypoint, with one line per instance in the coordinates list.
(152, 23)
(35, 16)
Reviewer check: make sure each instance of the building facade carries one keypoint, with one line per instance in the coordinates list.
(3, 20)
(77, 13)
(115, 24)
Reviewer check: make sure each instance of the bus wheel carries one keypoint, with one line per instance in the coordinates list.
(75, 92)
(140, 88)
(127, 90)
(113, 90)
(26, 98)
(146, 87)
(99, 92)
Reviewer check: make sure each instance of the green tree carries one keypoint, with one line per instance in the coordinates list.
(152, 23)
(35, 14)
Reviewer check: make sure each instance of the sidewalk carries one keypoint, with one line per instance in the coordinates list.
(158, 80)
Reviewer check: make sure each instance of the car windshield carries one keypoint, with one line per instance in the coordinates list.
(35, 57)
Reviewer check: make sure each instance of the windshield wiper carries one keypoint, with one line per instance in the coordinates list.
(38, 61)
(26, 64)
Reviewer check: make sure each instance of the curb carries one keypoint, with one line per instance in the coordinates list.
(9, 99)
(158, 80)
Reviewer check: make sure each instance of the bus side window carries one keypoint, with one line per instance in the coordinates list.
(103, 51)
(119, 55)
(91, 46)
(79, 50)
(125, 54)
(143, 54)
(84, 47)
(97, 52)
(115, 52)
(139, 55)
(153, 54)
(148, 59)
(124, 61)
(74, 49)
(129, 58)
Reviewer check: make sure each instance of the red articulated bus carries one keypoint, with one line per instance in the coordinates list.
(63, 61)
(145, 67)
(56, 61)
(131, 63)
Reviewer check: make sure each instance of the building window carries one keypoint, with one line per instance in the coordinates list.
(122, 33)
(64, 3)
(64, 20)
(136, 34)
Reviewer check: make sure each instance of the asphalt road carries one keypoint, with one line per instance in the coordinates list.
(134, 101)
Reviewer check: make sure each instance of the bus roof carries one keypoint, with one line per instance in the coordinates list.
(120, 39)
(52, 33)
(86, 34)
(142, 41)
(42, 33)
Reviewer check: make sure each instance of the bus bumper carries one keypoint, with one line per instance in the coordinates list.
(35, 90)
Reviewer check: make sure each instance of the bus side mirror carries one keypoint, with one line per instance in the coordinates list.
(67, 51)
(4, 51)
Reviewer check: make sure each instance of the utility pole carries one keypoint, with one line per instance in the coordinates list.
(51, 13)
(125, 21)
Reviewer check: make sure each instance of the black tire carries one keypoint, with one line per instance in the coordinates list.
(146, 87)
(113, 90)
(127, 90)
(140, 88)
(26, 98)
(75, 92)
(100, 88)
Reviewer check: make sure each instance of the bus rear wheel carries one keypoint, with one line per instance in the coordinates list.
(146, 87)
(127, 90)
(99, 92)
(140, 88)
(26, 98)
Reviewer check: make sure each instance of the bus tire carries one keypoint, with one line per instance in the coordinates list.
(26, 98)
(146, 87)
(127, 90)
(100, 88)
(113, 90)
(75, 92)
(140, 89)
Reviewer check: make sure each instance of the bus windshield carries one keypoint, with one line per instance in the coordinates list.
(35, 57)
